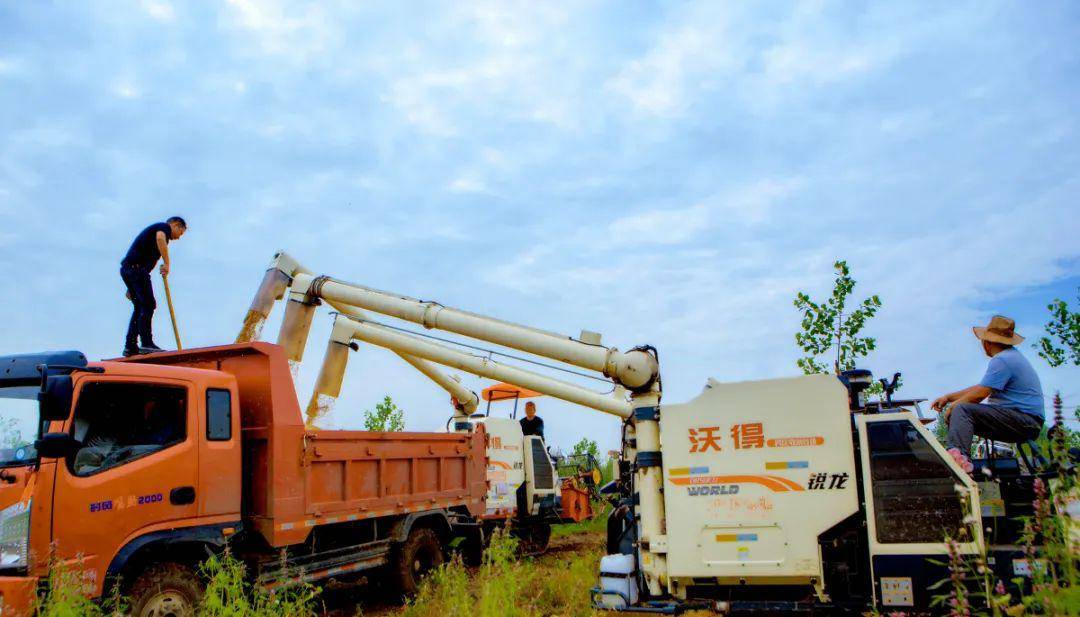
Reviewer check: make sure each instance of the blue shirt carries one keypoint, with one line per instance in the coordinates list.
(1014, 383)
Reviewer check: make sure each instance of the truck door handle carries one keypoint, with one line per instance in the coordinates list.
(182, 495)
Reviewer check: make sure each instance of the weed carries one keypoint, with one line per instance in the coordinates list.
(66, 594)
(511, 586)
(446, 592)
(228, 593)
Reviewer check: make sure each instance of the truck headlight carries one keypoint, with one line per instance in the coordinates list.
(15, 535)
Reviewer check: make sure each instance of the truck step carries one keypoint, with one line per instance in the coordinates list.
(323, 564)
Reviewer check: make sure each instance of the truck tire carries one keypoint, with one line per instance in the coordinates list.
(421, 553)
(472, 549)
(166, 590)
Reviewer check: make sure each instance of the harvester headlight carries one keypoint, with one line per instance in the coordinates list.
(15, 535)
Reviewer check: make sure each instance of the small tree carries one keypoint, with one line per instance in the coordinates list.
(386, 417)
(826, 325)
(1063, 342)
(588, 446)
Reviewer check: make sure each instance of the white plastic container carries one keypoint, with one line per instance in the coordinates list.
(618, 581)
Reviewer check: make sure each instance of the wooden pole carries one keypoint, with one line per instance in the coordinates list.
(172, 312)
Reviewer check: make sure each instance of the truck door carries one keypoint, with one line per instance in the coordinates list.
(134, 472)
(913, 494)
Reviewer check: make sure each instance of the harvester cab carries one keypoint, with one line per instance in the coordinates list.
(522, 475)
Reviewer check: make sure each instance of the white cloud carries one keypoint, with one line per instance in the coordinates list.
(670, 226)
(126, 89)
(749, 203)
(753, 202)
(687, 56)
(800, 62)
(160, 10)
(8, 66)
(708, 47)
(467, 184)
(291, 33)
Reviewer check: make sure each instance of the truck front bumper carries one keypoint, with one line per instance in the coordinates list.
(17, 595)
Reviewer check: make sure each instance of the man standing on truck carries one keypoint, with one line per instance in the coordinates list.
(150, 245)
(1013, 410)
(532, 424)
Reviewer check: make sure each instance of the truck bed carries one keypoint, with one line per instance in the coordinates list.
(295, 479)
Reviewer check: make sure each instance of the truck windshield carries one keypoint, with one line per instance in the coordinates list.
(18, 425)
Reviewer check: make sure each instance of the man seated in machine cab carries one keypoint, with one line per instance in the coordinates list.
(532, 424)
(1006, 405)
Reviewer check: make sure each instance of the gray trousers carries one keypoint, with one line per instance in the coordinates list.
(989, 421)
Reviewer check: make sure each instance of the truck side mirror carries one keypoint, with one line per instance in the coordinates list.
(55, 445)
(54, 400)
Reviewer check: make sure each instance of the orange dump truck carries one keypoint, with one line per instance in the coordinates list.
(143, 467)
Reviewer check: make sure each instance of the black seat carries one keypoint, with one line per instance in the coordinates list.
(999, 466)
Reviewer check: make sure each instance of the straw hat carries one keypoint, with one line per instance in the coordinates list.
(1000, 330)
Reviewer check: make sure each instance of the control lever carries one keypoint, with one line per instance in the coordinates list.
(888, 387)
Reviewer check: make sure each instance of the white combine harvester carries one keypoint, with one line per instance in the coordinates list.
(774, 496)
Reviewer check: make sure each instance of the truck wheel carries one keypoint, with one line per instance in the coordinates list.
(472, 549)
(421, 553)
(166, 590)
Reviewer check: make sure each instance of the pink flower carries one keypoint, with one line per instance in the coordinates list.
(999, 589)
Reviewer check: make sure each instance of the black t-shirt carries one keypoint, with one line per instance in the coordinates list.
(144, 251)
(535, 426)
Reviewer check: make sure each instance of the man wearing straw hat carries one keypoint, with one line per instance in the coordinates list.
(150, 245)
(1013, 409)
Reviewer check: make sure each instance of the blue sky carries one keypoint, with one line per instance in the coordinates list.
(664, 173)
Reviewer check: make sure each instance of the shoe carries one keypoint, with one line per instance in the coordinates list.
(961, 460)
(131, 351)
(151, 348)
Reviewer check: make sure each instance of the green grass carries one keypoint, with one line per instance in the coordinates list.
(596, 524)
(228, 594)
(507, 585)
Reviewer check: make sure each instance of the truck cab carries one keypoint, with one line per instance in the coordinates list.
(135, 457)
(142, 468)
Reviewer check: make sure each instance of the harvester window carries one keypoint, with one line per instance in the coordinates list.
(915, 499)
(218, 415)
(119, 422)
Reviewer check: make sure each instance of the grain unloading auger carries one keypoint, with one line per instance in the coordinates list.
(777, 495)
(634, 372)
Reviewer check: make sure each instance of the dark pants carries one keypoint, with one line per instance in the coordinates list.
(137, 279)
(990, 421)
